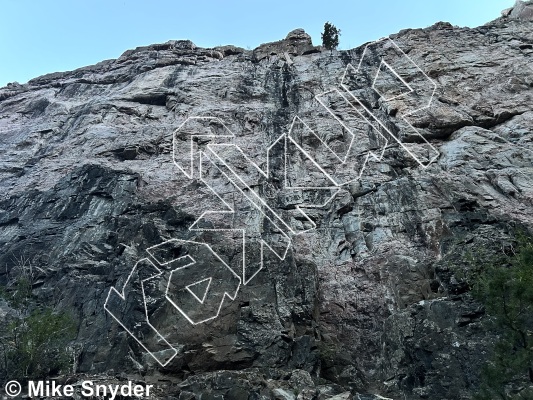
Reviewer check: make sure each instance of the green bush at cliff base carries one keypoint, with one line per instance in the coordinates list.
(35, 342)
(505, 287)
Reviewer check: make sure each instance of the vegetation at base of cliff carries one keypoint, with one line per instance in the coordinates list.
(34, 344)
(505, 288)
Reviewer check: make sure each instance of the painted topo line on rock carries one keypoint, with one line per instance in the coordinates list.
(204, 149)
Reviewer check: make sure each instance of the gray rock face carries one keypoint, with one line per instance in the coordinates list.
(368, 302)
(522, 10)
(296, 43)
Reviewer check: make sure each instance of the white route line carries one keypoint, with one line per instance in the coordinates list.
(122, 296)
(343, 160)
(383, 62)
(404, 116)
(258, 207)
(188, 287)
(193, 167)
(192, 262)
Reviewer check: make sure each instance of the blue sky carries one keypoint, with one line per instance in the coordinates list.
(38, 36)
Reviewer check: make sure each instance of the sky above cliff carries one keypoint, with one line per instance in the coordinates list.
(38, 37)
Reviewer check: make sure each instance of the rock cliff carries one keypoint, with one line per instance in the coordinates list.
(367, 303)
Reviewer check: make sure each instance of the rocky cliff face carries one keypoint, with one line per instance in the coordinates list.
(368, 300)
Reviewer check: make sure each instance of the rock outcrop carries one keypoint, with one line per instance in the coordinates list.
(296, 43)
(522, 10)
(369, 302)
